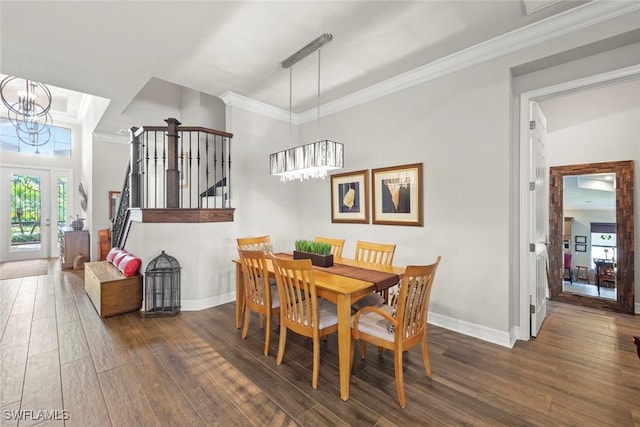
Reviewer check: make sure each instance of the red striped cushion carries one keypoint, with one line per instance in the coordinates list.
(129, 265)
(113, 253)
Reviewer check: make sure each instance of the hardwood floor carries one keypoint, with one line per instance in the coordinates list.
(60, 358)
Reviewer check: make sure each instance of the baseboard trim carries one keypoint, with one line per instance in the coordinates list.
(201, 304)
(477, 331)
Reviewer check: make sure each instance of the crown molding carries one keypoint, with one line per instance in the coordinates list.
(572, 20)
(233, 99)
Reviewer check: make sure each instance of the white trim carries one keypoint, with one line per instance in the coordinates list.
(567, 22)
(236, 100)
(201, 304)
(525, 101)
(474, 330)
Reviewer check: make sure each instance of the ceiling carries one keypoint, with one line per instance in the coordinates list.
(112, 49)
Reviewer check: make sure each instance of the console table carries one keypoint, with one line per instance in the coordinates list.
(73, 243)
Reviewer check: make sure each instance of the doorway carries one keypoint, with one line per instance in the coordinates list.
(34, 205)
(527, 269)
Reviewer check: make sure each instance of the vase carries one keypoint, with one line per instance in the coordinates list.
(77, 224)
(316, 259)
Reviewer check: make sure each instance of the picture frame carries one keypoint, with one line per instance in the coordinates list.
(350, 197)
(397, 195)
(581, 248)
(581, 239)
(114, 202)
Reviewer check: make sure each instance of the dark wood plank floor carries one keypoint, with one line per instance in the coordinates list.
(194, 369)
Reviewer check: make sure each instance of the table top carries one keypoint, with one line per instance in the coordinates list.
(346, 285)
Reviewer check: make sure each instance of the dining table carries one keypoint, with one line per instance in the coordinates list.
(343, 284)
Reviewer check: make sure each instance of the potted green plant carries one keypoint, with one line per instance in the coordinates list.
(318, 252)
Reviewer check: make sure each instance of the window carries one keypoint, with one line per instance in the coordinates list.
(59, 144)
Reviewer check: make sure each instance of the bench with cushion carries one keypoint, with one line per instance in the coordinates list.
(115, 285)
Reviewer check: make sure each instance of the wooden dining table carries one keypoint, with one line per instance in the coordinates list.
(339, 289)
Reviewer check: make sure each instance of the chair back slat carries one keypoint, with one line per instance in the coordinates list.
(297, 289)
(256, 278)
(336, 245)
(375, 253)
(413, 300)
(261, 243)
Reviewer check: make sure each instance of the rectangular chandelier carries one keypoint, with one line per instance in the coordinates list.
(311, 160)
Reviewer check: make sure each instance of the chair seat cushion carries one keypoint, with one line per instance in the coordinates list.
(372, 299)
(327, 314)
(373, 324)
(275, 298)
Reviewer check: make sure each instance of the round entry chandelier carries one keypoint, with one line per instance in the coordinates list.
(28, 104)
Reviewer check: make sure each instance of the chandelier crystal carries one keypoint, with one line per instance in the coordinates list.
(315, 159)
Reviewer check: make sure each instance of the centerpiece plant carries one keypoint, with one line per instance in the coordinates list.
(318, 252)
(320, 248)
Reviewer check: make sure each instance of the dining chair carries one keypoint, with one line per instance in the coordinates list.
(375, 253)
(336, 245)
(260, 296)
(401, 327)
(301, 311)
(262, 243)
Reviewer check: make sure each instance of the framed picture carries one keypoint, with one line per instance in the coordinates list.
(581, 248)
(349, 197)
(114, 202)
(581, 239)
(397, 195)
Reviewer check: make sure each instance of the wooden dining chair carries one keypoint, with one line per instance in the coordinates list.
(336, 245)
(262, 243)
(259, 295)
(401, 327)
(375, 253)
(300, 308)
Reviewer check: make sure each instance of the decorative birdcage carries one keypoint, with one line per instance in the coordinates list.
(162, 286)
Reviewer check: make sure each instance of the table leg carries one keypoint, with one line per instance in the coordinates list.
(344, 343)
(239, 296)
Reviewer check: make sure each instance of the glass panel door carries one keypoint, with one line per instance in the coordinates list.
(25, 229)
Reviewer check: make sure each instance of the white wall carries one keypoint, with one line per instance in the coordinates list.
(463, 127)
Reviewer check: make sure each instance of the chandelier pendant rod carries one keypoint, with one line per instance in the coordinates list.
(290, 104)
(318, 121)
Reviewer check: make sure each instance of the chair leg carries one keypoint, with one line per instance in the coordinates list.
(283, 340)
(267, 335)
(397, 361)
(363, 349)
(353, 351)
(316, 362)
(245, 327)
(425, 356)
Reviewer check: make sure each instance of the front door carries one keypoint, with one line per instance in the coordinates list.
(539, 232)
(26, 230)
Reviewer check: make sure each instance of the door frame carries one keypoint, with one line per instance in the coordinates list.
(51, 250)
(526, 268)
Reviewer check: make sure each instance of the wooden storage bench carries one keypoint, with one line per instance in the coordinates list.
(110, 291)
